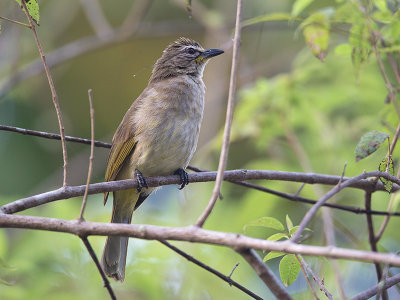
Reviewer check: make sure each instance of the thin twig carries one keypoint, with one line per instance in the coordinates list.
(15, 22)
(367, 294)
(310, 213)
(228, 122)
(233, 270)
(306, 276)
(53, 136)
(211, 270)
(53, 91)
(191, 234)
(265, 274)
(99, 268)
(89, 176)
(316, 279)
(371, 235)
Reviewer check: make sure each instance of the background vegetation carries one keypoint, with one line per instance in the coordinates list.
(304, 102)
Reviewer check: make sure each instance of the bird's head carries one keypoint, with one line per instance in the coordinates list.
(182, 57)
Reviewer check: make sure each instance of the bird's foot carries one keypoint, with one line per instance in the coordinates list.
(141, 181)
(184, 177)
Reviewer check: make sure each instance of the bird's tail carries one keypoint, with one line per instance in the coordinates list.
(115, 250)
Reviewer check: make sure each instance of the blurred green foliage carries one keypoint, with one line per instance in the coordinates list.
(293, 112)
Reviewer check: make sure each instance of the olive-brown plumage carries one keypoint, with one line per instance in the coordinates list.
(157, 136)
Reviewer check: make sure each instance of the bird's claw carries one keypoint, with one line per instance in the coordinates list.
(184, 177)
(141, 181)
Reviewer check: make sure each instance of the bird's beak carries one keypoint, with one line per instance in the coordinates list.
(208, 54)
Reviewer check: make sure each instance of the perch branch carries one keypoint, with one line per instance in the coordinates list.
(228, 122)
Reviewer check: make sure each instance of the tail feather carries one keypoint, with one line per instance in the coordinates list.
(115, 250)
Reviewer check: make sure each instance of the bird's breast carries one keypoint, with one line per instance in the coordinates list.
(168, 123)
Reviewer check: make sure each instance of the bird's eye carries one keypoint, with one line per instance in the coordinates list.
(190, 51)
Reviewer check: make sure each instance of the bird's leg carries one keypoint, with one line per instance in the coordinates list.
(141, 180)
(184, 177)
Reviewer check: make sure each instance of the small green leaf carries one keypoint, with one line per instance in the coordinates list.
(384, 166)
(289, 268)
(33, 9)
(268, 222)
(369, 143)
(289, 223)
(269, 18)
(299, 6)
(278, 236)
(273, 254)
(317, 38)
(359, 39)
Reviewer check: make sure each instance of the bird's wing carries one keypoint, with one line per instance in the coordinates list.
(120, 151)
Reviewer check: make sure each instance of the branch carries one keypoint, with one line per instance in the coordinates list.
(190, 234)
(310, 213)
(85, 195)
(97, 263)
(389, 282)
(228, 122)
(52, 89)
(233, 175)
(228, 279)
(265, 274)
(53, 136)
(371, 235)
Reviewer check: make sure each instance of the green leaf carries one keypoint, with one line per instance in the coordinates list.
(316, 34)
(268, 222)
(269, 18)
(369, 143)
(384, 166)
(278, 236)
(381, 5)
(299, 6)
(273, 254)
(289, 268)
(33, 9)
(289, 223)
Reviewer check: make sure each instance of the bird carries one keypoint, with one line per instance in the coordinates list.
(157, 136)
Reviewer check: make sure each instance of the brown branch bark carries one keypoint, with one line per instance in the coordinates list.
(223, 159)
(265, 274)
(233, 175)
(190, 234)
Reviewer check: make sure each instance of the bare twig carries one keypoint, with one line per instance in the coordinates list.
(233, 270)
(371, 235)
(53, 136)
(52, 89)
(90, 94)
(316, 279)
(389, 282)
(265, 273)
(233, 175)
(306, 276)
(211, 270)
(192, 234)
(310, 213)
(228, 122)
(15, 22)
(97, 263)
